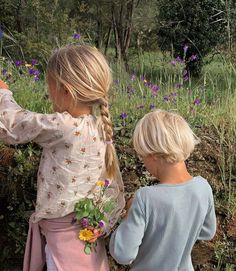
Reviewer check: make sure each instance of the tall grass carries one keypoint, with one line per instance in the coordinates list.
(207, 101)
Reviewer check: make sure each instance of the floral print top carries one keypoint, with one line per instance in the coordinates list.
(72, 159)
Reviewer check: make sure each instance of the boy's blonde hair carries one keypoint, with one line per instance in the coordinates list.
(164, 134)
(85, 73)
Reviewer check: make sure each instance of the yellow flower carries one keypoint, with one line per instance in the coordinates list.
(100, 183)
(27, 65)
(85, 235)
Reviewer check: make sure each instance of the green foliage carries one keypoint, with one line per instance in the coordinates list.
(17, 199)
(201, 26)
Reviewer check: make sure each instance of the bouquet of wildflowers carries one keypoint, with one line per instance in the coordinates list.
(92, 215)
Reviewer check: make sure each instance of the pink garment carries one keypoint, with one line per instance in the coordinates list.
(66, 249)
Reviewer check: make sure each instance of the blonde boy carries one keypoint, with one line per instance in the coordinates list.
(165, 220)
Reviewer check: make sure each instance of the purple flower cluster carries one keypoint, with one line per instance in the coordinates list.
(84, 222)
(154, 88)
(34, 73)
(18, 63)
(152, 107)
(34, 62)
(107, 183)
(197, 102)
(76, 36)
(123, 115)
(4, 72)
(185, 75)
(171, 97)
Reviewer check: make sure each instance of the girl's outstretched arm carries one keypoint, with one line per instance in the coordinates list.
(21, 126)
(125, 241)
(3, 85)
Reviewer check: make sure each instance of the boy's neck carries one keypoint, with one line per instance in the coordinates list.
(173, 173)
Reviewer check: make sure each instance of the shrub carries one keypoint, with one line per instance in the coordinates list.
(200, 26)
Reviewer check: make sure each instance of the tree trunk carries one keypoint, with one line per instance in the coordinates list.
(108, 40)
(122, 16)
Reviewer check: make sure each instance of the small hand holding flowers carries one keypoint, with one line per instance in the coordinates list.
(92, 215)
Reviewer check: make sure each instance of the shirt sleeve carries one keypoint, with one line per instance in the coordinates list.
(208, 229)
(125, 241)
(19, 126)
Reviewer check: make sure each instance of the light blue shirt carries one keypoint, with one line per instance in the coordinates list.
(163, 224)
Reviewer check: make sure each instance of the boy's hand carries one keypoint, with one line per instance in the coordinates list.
(3, 84)
(128, 205)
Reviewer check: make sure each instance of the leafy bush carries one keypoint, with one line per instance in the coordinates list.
(191, 30)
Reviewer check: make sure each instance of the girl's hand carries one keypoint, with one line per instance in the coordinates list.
(3, 84)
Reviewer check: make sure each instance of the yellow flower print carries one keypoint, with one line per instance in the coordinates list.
(85, 235)
(100, 183)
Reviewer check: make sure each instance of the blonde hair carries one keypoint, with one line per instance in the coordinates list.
(85, 73)
(166, 135)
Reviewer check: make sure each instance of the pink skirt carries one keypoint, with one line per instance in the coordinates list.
(66, 249)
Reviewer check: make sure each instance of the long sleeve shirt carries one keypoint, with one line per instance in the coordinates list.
(72, 159)
(163, 224)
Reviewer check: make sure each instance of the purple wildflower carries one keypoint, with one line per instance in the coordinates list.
(18, 63)
(173, 94)
(197, 102)
(34, 61)
(34, 72)
(194, 57)
(4, 72)
(152, 107)
(107, 183)
(84, 222)
(185, 75)
(155, 88)
(76, 36)
(173, 62)
(102, 224)
(36, 78)
(123, 115)
(37, 73)
(185, 48)
(31, 71)
(179, 59)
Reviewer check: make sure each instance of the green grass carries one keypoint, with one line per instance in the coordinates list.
(215, 88)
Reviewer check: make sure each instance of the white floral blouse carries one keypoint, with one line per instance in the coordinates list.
(72, 159)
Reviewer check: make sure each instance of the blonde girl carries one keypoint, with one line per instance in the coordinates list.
(77, 151)
(165, 220)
